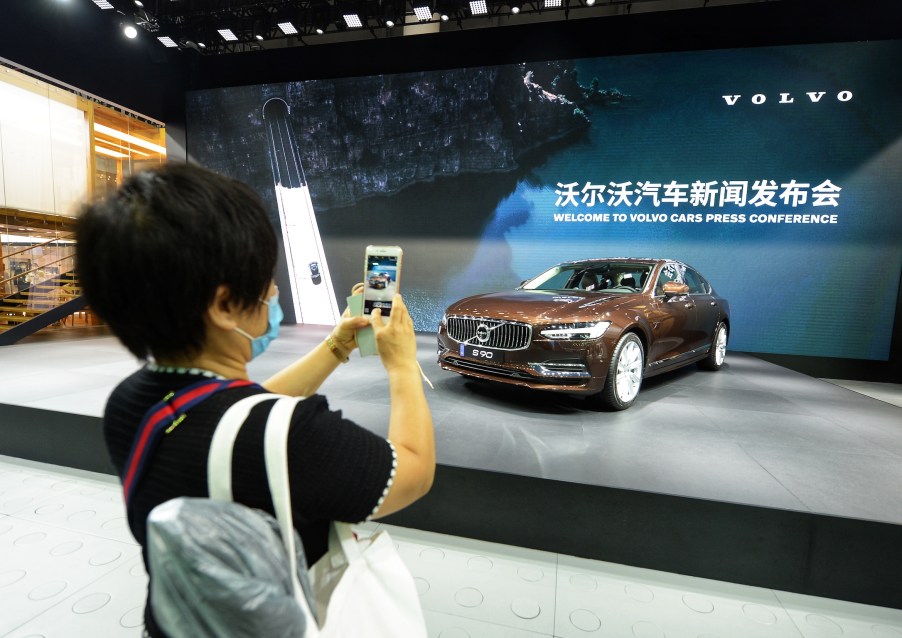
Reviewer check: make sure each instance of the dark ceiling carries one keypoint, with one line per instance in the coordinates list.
(254, 24)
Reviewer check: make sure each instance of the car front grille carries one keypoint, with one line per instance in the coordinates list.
(502, 335)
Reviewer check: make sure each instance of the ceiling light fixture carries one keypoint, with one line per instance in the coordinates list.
(552, 4)
(352, 20)
(228, 35)
(423, 13)
(167, 41)
(130, 31)
(259, 37)
(478, 7)
(103, 4)
(131, 139)
(287, 28)
(108, 151)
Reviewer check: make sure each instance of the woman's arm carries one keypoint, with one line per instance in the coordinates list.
(410, 427)
(304, 377)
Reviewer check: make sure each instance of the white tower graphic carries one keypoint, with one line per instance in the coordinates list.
(308, 272)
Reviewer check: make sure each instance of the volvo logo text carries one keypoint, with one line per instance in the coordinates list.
(787, 98)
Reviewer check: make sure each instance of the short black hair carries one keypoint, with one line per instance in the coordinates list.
(150, 256)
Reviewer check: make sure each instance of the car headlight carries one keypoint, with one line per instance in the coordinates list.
(580, 330)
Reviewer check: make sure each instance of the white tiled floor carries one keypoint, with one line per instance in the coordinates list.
(69, 569)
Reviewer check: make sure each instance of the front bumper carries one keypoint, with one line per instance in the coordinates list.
(576, 367)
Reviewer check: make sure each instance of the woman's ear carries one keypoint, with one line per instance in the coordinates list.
(223, 312)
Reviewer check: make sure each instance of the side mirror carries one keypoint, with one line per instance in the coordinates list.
(672, 288)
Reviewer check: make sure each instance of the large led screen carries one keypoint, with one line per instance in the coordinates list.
(775, 171)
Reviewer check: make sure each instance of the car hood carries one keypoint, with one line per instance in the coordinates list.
(539, 305)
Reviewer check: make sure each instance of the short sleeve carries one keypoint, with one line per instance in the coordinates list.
(338, 470)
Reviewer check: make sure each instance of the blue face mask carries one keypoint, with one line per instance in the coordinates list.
(259, 344)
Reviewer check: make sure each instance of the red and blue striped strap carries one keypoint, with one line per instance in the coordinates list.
(160, 420)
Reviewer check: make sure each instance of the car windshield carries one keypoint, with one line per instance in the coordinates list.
(610, 277)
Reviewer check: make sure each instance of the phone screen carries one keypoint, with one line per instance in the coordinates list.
(381, 281)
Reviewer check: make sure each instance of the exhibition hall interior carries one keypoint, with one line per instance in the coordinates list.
(651, 253)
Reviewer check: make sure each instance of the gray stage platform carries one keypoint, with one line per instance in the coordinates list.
(755, 474)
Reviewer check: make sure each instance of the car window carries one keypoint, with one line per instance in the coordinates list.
(695, 282)
(611, 277)
(555, 278)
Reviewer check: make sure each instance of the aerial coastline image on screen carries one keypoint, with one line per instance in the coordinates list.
(776, 171)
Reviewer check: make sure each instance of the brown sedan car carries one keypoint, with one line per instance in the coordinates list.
(594, 327)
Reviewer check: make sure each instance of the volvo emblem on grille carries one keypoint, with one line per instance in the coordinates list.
(482, 333)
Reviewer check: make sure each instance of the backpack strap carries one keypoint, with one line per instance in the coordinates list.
(160, 420)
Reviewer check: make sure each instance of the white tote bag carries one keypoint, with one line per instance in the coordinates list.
(362, 588)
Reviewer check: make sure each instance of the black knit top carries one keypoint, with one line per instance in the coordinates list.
(337, 469)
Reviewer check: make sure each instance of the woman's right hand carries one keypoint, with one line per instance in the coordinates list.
(395, 339)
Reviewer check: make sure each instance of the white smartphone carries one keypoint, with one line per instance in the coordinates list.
(381, 278)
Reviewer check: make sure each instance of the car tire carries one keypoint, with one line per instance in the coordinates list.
(718, 351)
(624, 374)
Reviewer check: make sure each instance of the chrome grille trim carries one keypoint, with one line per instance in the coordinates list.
(503, 335)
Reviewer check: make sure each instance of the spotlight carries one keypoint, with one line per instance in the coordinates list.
(445, 17)
(202, 45)
(139, 4)
(590, 3)
(319, 31)
(392, 13)
(259, 37)
(515, 9)
(130, 31)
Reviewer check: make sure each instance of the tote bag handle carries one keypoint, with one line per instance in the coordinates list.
(219, 474)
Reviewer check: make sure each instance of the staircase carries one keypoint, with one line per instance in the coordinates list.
(36, 306)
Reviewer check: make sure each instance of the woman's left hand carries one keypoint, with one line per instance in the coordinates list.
(345, 333)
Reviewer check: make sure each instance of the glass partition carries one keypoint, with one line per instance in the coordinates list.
(58, 149)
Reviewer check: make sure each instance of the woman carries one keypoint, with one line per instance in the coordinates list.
(179, 263)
